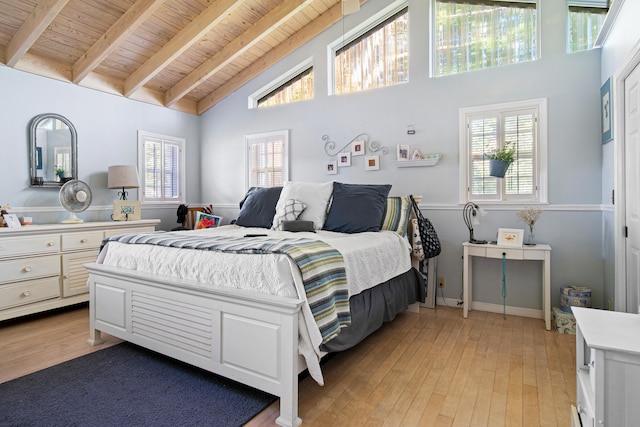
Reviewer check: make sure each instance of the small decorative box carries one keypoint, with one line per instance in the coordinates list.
(574, 296)
(565, 323)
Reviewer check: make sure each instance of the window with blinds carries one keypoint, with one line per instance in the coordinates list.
(161, 162)
(476, 34)
(584, 26)
(376, 55)
(299, 88)
(488, 130)
(267, 159)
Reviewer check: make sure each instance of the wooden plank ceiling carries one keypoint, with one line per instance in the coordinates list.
(182, 54)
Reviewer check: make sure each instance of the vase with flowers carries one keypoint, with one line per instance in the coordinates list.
(529, 216)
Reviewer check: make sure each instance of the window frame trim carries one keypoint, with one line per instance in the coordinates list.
(281, 80)
(181, 142)
(354, 33)
(250, 139)
(541, 161)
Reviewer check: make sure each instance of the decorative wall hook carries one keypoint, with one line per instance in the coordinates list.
(372, 146)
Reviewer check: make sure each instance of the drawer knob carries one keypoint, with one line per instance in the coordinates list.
(27, 269)
(51, 244)
(26, 293)
(592, 364)
(83, 240)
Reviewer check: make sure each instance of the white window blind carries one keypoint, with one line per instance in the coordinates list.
(476, 34)
(267, 159)
(517, 125)
(377, 56)
(161, 165)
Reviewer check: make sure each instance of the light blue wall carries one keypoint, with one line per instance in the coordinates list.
(570, 223)
(107, 127)
(620, 42)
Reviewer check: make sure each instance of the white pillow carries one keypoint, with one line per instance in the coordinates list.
(292, 210)
(313, 194)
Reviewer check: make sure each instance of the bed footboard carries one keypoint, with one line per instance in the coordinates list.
(250, 338)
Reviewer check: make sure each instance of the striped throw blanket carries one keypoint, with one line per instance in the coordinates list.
(321, 267)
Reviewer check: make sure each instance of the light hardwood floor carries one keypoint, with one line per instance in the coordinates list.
(428, 369)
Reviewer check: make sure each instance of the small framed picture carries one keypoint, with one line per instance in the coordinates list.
(510, 237)
(205, 220)
(606, 111)
(344, 159)
(372, 163)
(357, 148)
(331, 167)
(403, 152)
(12, 220)
(126, 210)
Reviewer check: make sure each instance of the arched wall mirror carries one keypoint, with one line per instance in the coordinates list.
(53, 150)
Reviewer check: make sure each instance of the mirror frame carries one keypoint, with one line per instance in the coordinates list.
(32, 151)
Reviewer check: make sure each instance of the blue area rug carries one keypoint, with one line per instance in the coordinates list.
(126, 385)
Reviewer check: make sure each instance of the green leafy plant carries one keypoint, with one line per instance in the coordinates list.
(505, 154)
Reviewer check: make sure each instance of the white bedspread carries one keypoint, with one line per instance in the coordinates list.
(370, 258)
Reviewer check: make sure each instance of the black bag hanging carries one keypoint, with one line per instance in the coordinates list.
(428, 235)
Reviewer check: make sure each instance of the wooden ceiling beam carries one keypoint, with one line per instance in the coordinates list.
(200, 26)
(237, 47)
(126, 25)
(321, 23)
(41, 17)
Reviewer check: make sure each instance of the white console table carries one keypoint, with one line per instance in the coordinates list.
(536, 253)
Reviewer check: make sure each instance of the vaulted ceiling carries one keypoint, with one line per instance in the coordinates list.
(182, 54)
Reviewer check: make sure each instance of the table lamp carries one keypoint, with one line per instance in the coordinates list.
(123, 176)
(470, 214)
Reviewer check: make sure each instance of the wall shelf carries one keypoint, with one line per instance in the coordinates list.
(430, 161)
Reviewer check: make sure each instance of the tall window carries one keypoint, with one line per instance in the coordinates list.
(161, 168)
(267, 159)
(518, 125)
(584, 26)
(476, 34)
(375, 55)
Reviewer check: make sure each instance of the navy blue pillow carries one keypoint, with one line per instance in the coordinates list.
(258, 207)
(357, 207)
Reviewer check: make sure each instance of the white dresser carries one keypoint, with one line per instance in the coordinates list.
(41, 266)
(608, 368)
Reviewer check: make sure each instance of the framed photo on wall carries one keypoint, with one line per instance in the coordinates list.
(344, 159)
(126, 210)
(372, 163)
(357, 148)
(606, 111)
(331, 167)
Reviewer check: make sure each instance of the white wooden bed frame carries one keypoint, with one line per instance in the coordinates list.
(248, 337)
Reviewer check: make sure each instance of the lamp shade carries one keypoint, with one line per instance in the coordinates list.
(123, 176)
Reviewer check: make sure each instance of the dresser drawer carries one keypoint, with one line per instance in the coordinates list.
(511, 253)
(29, 291)
(79, 241)
(49, 243)
(29, 268)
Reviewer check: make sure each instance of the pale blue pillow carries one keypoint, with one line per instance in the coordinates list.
(356, 208)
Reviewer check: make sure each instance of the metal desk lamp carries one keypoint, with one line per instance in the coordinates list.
(470, 214)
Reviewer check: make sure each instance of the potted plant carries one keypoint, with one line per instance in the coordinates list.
(500, 160)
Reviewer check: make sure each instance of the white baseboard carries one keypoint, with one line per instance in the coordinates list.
(493, 308)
